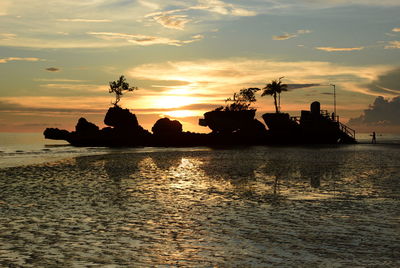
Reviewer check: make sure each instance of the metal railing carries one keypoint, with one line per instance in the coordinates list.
(349, 131)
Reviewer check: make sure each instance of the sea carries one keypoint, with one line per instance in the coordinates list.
(254, 206)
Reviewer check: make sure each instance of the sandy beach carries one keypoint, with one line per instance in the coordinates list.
(247, 207)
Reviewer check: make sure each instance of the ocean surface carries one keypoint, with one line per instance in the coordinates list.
(261, 206)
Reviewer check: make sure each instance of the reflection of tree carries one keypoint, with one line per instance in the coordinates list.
(279, 169)
(231, 165)
(117, 167)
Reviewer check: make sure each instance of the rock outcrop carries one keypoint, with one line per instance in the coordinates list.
(225, 122)
(167, 127)
(121, 119)
(56, 134)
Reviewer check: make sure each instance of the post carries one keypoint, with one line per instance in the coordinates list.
(334, 99)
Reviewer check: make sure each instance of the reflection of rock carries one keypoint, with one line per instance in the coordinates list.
(121, 166)
(56, 134)
(231, 166)
(165, 126)
(165, 161)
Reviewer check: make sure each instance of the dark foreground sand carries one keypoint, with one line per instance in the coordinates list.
(245, 207)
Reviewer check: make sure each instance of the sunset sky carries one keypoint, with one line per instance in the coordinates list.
(186, 57)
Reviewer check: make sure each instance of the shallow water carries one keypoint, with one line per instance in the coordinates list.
(257, 206)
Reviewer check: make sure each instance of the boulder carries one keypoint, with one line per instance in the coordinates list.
(56, 134)
(165, 126)
(83, 126)
(121, 118)
(227, 121)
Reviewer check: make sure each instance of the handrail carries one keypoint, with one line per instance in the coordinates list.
(349, 131)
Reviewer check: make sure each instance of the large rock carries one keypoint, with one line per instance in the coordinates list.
(228, 121)
(56, 134)
(121, 119)
(85, 127)
(165, 126)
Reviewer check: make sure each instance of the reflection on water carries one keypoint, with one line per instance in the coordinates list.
(255, 206)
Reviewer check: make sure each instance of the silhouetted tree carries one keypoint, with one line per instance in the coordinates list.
(275, 88)
(241, 101)
(118, 86)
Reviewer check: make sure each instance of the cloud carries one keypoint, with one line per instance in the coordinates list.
(58, 104)
(15, 107)
(393, 45)
(143, 40)
(172, 21)
(227, 76)
(381, 112)
(286, 36)
(169, 20)
(58, 80)
(223, 8)
(297, 86)
(7, 36)
(4, 6)
(5, 60)
(339, 49)
(53, 69)
(84, 88)
(84, 20)
(148, 4)
(386, 84)
(396, 30)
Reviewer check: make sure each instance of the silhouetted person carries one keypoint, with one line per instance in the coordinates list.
(373, 137)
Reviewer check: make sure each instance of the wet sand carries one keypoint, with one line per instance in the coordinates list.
(243, 207)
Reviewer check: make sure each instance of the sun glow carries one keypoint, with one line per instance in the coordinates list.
(181, 113)
(174, 101)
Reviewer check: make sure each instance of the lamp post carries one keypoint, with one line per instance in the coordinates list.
(334, 99)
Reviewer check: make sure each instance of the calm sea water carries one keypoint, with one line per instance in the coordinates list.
(303, 206)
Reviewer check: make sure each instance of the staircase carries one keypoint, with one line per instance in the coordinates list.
(347, 134)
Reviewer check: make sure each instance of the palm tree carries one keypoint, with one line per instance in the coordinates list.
(275, 88)
(118, 86)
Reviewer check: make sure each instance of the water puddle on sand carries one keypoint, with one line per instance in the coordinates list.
(249, 207)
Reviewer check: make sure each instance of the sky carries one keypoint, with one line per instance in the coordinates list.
(186, 57)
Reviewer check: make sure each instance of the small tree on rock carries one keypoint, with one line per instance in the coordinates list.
(118, 86)
(241, 101)
(274, 88)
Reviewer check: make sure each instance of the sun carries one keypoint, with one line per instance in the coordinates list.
(181, 113)
(170, 102)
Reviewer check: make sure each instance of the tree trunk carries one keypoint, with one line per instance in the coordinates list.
(276, 105)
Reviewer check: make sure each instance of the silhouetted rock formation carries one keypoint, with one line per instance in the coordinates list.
(228, 128)
(225, 122)
(167, 127)
(125, 131)
(121, 119)
(314, 126)
(85, 127)
(56, 134)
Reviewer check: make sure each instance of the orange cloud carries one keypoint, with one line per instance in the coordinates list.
(393, 45)
(339, 49)
(5, 60)
(139, 39)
